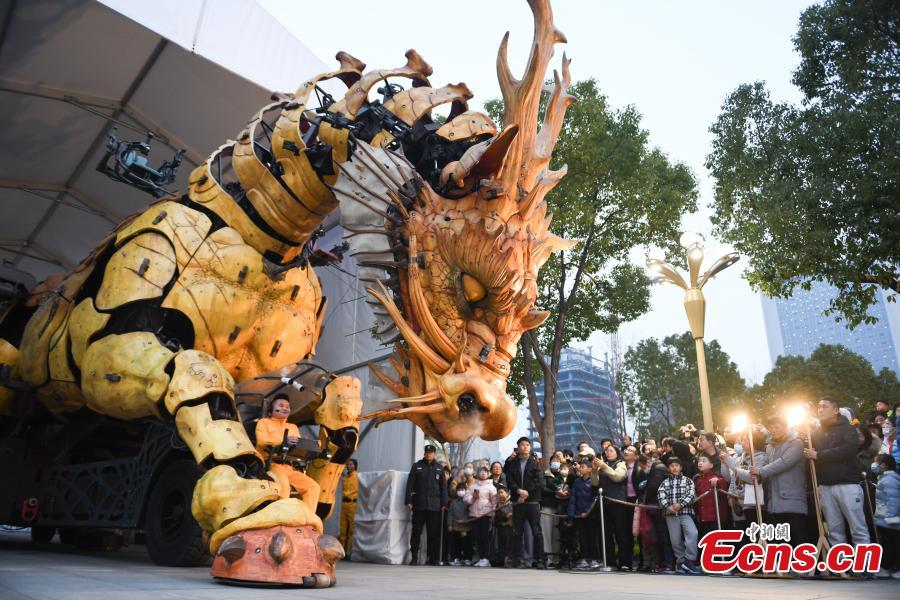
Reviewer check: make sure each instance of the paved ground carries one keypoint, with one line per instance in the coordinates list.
(56, 572)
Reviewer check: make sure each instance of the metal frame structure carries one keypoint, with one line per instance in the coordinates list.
(108, 493)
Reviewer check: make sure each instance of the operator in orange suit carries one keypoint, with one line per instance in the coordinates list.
(348, 505)
(269, 435)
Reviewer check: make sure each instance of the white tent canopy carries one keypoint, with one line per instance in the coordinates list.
(191, 72)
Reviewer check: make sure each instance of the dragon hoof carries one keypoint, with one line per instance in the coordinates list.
(281, 555)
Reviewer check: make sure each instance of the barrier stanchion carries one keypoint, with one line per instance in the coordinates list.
(756, 488)
(822, 545)
(716, 502)
(441, 544)
(865, 483)
(605, 568)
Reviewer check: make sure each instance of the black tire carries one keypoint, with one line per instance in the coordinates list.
(174, 539)
(42, 535)
(68, 536)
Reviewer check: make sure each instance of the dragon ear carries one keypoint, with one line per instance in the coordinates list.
(494, 156)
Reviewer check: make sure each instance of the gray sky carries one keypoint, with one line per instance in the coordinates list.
(675, 61)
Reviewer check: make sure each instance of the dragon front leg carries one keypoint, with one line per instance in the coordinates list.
(258, 531)
(283, 542)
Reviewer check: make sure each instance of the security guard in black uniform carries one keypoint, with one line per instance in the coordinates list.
(426, 497)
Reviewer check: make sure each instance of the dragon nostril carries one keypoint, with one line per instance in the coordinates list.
(466, 403)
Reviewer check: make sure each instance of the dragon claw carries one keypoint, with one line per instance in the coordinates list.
(286, 555)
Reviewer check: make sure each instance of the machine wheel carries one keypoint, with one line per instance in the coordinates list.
(68, 536)
(174, 539)
(42, 535)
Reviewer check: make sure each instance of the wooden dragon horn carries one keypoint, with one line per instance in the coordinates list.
(527, 161)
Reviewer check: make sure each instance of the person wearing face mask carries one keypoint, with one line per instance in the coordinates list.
(349, 494)
(459, 526)
(568, 551)
(887, 514)
(784, 475)
(482, 500)
(549, 502)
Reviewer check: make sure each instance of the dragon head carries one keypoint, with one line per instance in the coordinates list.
(448, 224)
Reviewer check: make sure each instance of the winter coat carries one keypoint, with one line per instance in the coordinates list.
(836, 445)
(533, 482)
(706, 506)
(657, 474)
(581, 498)
(785, 475)
(426, 487)
(688, 462)
(504, 514)
(486, 500)
(676, 490)
(458, 516)
(866, 456)
(887, 500)
(740, 471)
(611, 479)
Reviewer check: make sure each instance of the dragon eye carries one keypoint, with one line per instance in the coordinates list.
(472, 288)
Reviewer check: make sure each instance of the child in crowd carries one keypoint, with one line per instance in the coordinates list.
(481, 497)
(503, 528)
(675, 496)
(459, 526)
(581, 510)
(887, 514)
(709, 479)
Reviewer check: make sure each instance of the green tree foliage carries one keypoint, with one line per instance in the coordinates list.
(831, 370)
(811, 193)
(659, 383)
(619, 193)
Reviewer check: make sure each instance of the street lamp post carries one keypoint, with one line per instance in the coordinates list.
(694, 302)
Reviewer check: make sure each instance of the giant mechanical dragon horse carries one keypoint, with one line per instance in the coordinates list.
(447, 223)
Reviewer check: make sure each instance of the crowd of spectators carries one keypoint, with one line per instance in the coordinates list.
(644, 506)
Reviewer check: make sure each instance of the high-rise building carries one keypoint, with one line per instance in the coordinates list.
(586, 405)
(797, 326)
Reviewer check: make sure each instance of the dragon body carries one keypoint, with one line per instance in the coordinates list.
(448, 226)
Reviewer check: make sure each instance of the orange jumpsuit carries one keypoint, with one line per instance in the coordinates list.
(270, 432)
(348, 509)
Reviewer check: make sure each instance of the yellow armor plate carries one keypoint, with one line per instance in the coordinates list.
(290, 512)
(261, 324)
(326, 474)
(222, 496)
(41, 331)
(409, 105)
(84, 322)
(466, 125)
(342, 404)
(283, 213)
(9, 355)
(220, 438)
(299, 175)
(197, 374)
(124, 375)
(61, 396)
(209, 193)
(139, 270)
(185, 227)
(59, 358)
